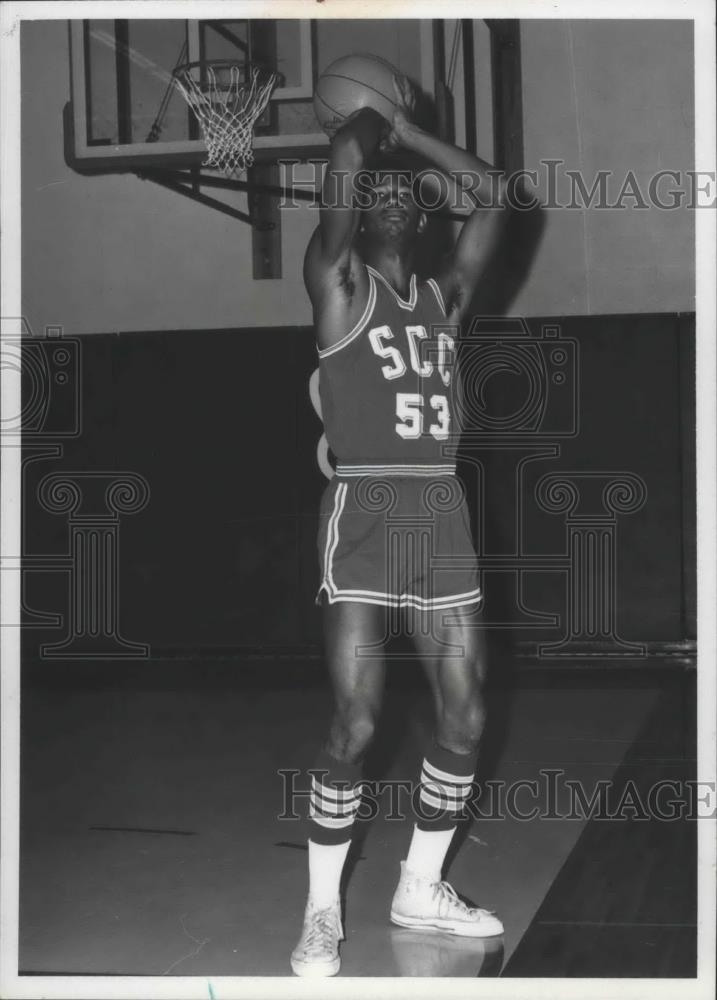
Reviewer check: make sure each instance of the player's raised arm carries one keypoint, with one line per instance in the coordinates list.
(335, 277)
(351, 147)
(485, 191)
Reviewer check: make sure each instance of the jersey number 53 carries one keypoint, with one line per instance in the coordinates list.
(410, 406)
(409, 410)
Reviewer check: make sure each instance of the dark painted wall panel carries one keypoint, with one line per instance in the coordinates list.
(221, 426)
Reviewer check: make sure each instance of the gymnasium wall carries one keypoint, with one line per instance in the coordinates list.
(195, 377)
(113, 253)
(617, 96)
(223, 558)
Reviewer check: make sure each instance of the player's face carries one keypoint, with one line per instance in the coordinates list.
(393, 215)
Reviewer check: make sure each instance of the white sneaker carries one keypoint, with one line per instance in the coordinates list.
(418, 902)
(317, 953)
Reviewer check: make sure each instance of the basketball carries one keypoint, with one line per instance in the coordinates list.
(351, 83)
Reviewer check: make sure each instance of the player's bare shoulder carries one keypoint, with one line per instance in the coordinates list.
(338, 289)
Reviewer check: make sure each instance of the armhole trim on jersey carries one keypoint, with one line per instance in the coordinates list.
(365, 317)
(437, 292)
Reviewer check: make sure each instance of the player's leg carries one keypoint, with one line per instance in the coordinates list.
(353, 641)
(453, 656)
(452, 649)
(353, 636)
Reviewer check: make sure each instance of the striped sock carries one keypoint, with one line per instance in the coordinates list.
(446, 780)
(445, 786)
(334, 799)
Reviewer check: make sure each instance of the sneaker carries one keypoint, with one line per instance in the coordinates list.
(418, 902)
(317, 953)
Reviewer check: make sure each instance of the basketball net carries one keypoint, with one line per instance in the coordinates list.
(227, 111)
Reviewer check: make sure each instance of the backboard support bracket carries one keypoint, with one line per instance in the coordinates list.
(263, 193)
(188, 183)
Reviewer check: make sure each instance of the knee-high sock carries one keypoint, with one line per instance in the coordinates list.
(333, 804)
(446, 779)
(326, 863)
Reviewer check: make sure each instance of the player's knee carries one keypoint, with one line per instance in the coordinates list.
(352, 733)
(360, 726)
(463, 724)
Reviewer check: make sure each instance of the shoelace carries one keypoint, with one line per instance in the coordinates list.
(449, 898)
(322, 928)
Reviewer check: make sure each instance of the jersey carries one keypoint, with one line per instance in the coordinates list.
(387, 387)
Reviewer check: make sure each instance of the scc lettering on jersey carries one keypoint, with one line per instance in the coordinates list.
(397, 368)
(411, 407)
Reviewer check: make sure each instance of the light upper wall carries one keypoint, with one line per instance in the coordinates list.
(113, 253)
(618, 96)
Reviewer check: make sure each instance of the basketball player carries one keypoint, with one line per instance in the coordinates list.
(394, 530)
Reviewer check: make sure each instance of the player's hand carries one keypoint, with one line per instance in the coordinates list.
(332, 128)
(403, 115)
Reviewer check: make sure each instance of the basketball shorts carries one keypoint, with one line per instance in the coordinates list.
(397, 541)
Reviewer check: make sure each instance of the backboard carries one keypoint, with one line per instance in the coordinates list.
(125, 113)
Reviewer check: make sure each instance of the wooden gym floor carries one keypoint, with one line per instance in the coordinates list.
(151, 843)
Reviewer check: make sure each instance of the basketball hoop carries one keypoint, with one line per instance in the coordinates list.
(227, 98)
